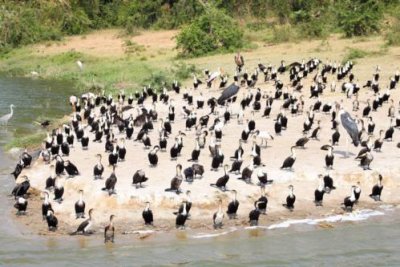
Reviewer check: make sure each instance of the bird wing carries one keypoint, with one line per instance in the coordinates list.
(230, 91)
(351, 127)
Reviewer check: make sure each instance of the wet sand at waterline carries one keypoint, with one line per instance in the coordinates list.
(129, 201)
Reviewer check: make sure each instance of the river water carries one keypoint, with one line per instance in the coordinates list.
(372, 242)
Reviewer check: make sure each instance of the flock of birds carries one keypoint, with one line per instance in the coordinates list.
(105, 119)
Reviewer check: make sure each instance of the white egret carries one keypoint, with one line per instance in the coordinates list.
(4, 119)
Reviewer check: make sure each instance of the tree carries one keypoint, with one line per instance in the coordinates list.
(359, 17)
(212, 31)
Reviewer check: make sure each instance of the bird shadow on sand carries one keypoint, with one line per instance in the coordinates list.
(344, 154)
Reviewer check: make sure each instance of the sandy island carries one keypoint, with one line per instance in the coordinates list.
(128, 203)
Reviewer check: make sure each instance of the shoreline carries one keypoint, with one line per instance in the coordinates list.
(203, 228)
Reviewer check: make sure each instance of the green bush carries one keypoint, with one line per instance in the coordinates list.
(212, 32)
(359, 17)
(182, 71)
(354, 53)
(75, 23)
(393, 36)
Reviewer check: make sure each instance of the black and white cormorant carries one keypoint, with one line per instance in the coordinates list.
(254, 215)
(289, 161)
(147, 215)
(113, 157)
(110, 183)
(247, 173)
(233, 206)
(58, 190)
(319, 192)
(222, 181)
(98, 168)
(349, 201)
(46, 205)
(21, 204)
(263, 178)
(52, 221)
(80, 206)
(262, 201)
(176, 181)
(195, 152)
(85, 227)
(21, 189)
(218, 216)
(181, 217)
(377, 190)
(152, 156)
(138, 178)
(121, 150)
(290, 199)
(357, 191)
(329, 158)
(70, 168)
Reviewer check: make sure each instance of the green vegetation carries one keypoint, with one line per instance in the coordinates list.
(212, 32)
(360, 17)
(29, 21)
(29, 141)
(355, 53)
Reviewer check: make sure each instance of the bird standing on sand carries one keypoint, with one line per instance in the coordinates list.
(80, 206)
(218, 216)
(85, 227)
(377, 190)
(181, 217)
(290, 199)
(147, 214)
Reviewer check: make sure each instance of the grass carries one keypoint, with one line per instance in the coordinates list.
(355, 53)
(133, 69)
(31, 141)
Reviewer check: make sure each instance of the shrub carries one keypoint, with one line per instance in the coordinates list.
(211, 32)
(393, 35)
(359, 17)
(75, 23)
(354, 53)
(182, 71)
